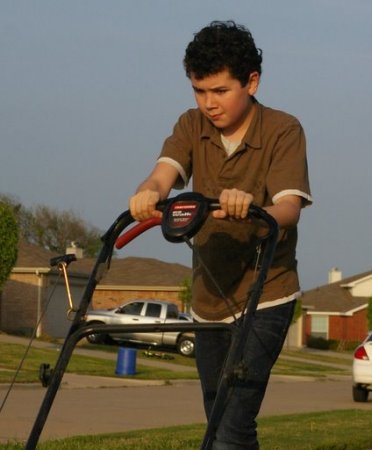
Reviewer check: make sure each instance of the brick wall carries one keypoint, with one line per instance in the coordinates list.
(348, 328)
(19, 304)
(343, 328)
(106, 298)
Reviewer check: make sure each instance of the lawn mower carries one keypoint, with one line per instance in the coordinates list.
(182, 218)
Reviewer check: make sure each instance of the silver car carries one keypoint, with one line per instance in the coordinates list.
(141, 311)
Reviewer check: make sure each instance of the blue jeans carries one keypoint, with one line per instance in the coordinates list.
(237, 429)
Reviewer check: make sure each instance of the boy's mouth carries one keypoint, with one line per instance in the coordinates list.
(215, 117)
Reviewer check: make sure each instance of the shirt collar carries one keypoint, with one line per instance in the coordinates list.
(253, 136)
(251, 139)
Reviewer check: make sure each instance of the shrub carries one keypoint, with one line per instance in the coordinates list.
(8, 241)
(318, 342)
(331, 344)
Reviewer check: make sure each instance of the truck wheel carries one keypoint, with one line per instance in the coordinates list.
(360, 394)
(186, 346)
(97, 338)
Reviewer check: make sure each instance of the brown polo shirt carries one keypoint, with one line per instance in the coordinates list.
(270, 162)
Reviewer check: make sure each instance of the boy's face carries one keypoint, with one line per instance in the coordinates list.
(225, 102)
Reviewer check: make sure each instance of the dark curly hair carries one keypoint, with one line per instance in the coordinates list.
(223, 45)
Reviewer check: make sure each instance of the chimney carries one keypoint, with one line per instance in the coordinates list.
(74, 249)
(334, 275)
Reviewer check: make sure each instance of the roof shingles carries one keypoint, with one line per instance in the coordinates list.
(333, 297)
(132, 270)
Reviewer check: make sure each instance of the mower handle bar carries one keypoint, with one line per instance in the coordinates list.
(254, 212)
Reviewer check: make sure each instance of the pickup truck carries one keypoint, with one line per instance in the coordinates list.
(143, 312)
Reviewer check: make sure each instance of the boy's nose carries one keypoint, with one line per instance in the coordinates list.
(209, 101)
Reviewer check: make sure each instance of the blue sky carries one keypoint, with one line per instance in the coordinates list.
(90, 89)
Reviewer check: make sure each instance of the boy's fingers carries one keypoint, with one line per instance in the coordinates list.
(235, 203)
(219, 214)
(142, 205)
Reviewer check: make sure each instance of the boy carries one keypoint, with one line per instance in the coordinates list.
(240, 152)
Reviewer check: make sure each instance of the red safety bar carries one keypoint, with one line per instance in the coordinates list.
(135, 231)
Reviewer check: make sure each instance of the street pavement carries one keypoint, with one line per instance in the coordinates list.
(94, 405)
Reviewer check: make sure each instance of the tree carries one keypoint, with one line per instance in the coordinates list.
(369, 314)
(8, 241)
(56, 230)
(53, 229)
(185, 294)
(298, 311)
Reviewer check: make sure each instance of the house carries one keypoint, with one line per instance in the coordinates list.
(34, 297)
(133, 277)
(35, 294)
(338, 310)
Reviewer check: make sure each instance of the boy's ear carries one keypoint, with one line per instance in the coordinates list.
(253, 83)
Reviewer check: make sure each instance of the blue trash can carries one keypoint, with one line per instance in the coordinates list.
(126, 361)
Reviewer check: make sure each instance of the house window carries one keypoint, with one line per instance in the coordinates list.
(319, 326)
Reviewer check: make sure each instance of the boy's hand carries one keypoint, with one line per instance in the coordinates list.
(234, 203)
(142, 205)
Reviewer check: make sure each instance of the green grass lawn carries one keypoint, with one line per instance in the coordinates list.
(11, 354)
(336, 430)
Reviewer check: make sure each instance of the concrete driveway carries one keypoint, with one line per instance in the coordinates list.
(83, 407)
